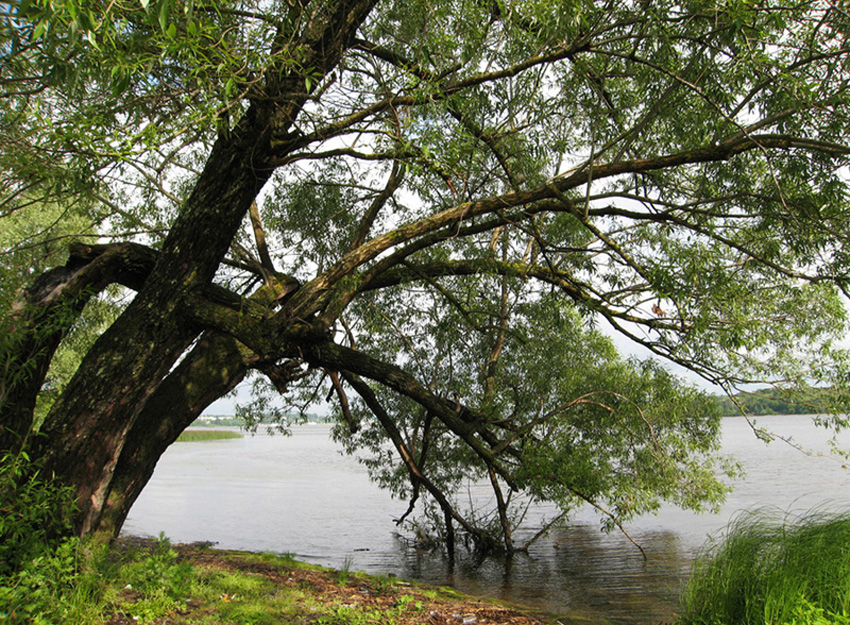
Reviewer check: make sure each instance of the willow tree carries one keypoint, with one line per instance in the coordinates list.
(422, 209)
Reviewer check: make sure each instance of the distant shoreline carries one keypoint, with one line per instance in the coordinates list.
(199, 435)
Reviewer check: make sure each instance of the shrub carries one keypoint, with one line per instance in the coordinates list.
(58, 586)
(35, 513)
(161, 571)
(43, 579)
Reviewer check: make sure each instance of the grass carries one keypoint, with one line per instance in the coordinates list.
(773, 570)
(154, 582)
(191, 436)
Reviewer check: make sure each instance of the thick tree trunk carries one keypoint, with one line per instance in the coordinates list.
(86, 430)
(213, 367)
(91, 424)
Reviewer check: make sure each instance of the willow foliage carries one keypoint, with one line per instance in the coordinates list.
(427, 211)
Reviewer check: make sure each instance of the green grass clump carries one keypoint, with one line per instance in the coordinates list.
(771, 570)
(191, 436)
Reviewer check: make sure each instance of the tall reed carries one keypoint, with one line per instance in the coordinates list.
(771, 569)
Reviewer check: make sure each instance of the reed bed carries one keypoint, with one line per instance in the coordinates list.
(206, 435)
(773, 569)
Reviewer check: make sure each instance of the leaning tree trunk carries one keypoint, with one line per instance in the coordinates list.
(47, 310)
(214, 367)
(85, 431)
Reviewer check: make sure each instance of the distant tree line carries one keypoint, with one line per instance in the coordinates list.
(219, 420)
(774, 401)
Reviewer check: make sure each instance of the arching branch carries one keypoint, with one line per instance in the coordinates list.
(468, 425)
(43, 315)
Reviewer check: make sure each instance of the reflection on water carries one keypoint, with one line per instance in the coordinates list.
(579, 572)
(299, 495)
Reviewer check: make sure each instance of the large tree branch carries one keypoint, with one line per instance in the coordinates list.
(417, 475)
(43, 315)
(260, 238)
(556, 189)
(444, 91)
(368, 219)
(463, 421)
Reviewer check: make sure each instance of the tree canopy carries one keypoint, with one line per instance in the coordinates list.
(425, 210)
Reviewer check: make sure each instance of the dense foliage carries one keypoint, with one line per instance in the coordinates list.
(35, 514)
(426, 212)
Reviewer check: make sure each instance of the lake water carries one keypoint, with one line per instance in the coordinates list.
(299, 495)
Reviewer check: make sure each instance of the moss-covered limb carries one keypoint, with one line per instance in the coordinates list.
(413, 272)
(309, 344)
(553, 189)
(44, 314)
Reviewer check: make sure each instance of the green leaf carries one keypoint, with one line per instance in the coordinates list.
(39, 31)
(164, 14)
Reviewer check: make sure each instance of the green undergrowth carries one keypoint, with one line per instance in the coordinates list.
(191, 436)
(154, 582)
(150, 581)
(773, 570)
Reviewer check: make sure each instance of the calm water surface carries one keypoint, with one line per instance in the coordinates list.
(299, 495)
